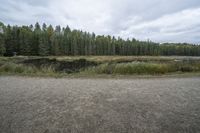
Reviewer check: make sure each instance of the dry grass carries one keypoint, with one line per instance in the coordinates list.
(126, 58)
(122, 65)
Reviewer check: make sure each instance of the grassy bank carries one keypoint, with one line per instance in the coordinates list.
(93, 65)
(143, 68)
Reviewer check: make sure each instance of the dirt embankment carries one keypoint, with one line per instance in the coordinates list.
(60, 66)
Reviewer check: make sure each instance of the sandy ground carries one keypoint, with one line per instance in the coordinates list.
(48, 105)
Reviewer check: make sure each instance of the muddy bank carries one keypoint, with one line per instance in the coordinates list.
(60, 66)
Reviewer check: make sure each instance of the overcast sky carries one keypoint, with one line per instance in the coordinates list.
(157, 20)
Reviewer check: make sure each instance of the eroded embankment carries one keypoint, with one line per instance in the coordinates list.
(60, 66)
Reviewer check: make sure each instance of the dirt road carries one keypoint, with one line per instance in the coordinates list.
(48, 105)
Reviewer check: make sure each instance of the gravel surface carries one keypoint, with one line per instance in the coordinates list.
(48, 105)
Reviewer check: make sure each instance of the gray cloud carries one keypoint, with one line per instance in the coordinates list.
(158, 20)
(176, 27)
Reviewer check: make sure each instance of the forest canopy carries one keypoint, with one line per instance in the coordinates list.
(43, 40)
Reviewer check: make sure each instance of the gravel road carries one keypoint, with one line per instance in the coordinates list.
(48, 105)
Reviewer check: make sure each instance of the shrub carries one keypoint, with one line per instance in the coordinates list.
(16, 68)
(19, 69)
(132, 68)
(8, 67)
(140, 68)
(47, 69)
(104, 68)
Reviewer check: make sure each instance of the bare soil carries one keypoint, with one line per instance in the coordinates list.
(60, 66)
(49, 105)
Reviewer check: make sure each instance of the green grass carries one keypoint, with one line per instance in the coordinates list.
(108, 65)
(12, 68)
(142, 68)
(104, 59)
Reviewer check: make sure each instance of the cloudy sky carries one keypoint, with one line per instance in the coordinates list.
(157, 20)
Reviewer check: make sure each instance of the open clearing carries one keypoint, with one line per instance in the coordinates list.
(49, 105)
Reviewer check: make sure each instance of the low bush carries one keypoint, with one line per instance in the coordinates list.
(131, 68)
(140, 68)
(8, 67)
(16, 68)
(47, 69)
(104, 69)
(19, 68)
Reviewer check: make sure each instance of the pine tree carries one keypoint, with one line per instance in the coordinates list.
(2, 42)
(29, 40)
(36, 39)
(9, 41)
(2, 45)
(25, 41)
(44, 47)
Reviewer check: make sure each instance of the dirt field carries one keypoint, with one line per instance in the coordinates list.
(48, 105)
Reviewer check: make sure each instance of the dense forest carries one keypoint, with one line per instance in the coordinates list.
(46, 40)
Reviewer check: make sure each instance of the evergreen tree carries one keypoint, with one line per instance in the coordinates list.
(44, 47)
(2, 45)
(2, 42)
(29, 40)
(9, 41)
(36, 39)
(25, 38)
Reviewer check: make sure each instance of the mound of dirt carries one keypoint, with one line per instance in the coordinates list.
(60, 66)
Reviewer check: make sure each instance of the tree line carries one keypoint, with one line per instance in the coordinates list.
(46, 40)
